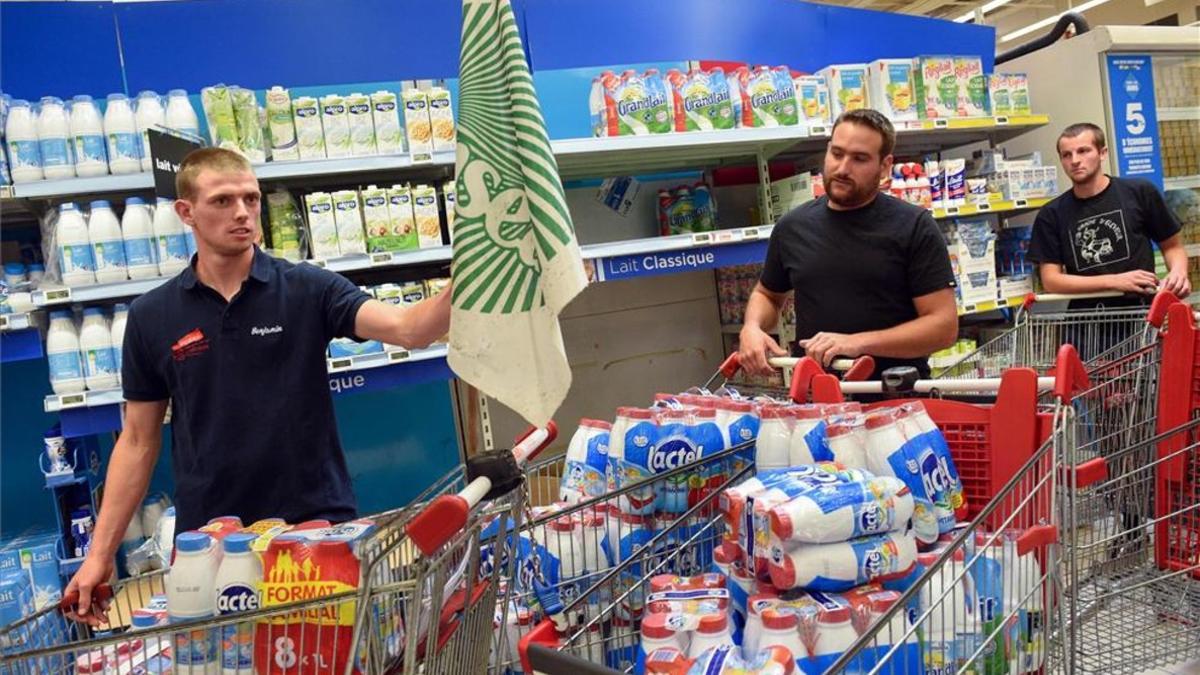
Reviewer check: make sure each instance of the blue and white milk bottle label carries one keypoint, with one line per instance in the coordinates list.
(124, 145)
(100, 361)
(65, 366)
(109, 254)
(172, 247)
(76, 258)
(55, 152)
(140, 251)
(89, 148)
(24, 154)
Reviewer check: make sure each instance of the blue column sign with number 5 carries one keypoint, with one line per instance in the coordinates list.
(1135, 142)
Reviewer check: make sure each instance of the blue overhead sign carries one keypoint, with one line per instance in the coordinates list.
(1135, 117)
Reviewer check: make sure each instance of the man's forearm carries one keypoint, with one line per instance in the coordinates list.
(419, 325)
(1176, 258)
(762, 311)
(913, 339)
(125, 485)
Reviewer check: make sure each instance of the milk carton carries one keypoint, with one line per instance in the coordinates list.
(322, 226)
(389, 136)
(362, 125)
(441, 118)
(1000, 95)
(377, 219)
(304, 564)
(284, 144)
(417, 124)
(768, 97)
(890, 85)
(936, 87)
(425, 212)
(640, 105)
(702, 100)
(813, 96)
(347, 215)
(335, 119)
(972, 86)
(402, 223)
(847, 88)
(833, 513)
(310, 136)
(1018, 93)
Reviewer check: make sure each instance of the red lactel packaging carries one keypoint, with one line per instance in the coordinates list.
(303, 565)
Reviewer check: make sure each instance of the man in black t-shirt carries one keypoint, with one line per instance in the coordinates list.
(870, 273)
(1097, 236)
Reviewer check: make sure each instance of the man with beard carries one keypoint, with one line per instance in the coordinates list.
(1096, 236)
(870, 273)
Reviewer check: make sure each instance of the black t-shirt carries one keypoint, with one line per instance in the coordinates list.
(856, 271)
(252, 425)
(1108, 233)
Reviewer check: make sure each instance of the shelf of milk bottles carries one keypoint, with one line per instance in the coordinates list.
(398, 358)
(655, 256)
(990, 207)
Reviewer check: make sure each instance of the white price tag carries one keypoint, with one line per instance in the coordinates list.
(58, 295)
(952, 210)
(941, 124)
(983, 207)
(382, 258)
(66, 401)
(317, 262)
(1002, 121)
(701, 238)
(818, 130)
(751, 233)
(338, 365)
(1021, 203)
(398, 355)
(3, 322)
(422, 158)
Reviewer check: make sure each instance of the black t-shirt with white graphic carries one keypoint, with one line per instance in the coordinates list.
(1108, 233)
(859, 270)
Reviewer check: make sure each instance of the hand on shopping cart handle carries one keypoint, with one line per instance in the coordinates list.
(755, 347)
(824, 347)
(94, 611)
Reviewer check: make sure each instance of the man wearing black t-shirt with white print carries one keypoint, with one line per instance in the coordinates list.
(1096, 236)
(870, 273)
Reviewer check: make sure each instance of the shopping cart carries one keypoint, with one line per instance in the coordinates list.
(423, 597)
(1099, 334)
(1010, 488)
(1131, 534)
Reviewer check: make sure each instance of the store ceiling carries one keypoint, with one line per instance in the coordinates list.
(943, 9)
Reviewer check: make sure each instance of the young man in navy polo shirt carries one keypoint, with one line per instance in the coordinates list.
(237, 342)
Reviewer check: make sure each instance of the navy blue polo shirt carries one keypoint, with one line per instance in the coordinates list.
(252, 424)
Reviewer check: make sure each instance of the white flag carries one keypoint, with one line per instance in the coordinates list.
(516, 263)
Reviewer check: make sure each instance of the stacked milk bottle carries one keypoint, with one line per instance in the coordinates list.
(102, 248)
(84, 357)
(55, 139)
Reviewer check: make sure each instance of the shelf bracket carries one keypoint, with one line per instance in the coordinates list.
(764, 188)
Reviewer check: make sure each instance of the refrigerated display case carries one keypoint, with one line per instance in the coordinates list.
(1141, 84)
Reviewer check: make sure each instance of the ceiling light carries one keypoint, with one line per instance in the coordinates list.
(987, 7)
(1020, 32)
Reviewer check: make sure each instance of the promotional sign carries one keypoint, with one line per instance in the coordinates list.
(1135, 143)
(168, 150)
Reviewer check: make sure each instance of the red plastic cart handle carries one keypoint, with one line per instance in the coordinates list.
(730, 366)
(1070, 377)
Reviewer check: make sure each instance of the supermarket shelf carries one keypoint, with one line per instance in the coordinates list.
(358, 263)
(14, 322)
(1192, 249)
(655, 256)
(991, 207)
(636, 155)
(337, 367)
(1179, 114)
(991, 305)
(270, 171)
(66, 187)
(1182, 183)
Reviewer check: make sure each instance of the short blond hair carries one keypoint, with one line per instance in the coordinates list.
(213, 159)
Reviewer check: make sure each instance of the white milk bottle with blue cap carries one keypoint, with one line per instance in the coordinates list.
(54, 139)
(108, 246)
(87, 135)
(172, 242)
(20, 133)
(141, 249)
(95, 340)
(806, 447)
(149, 114)
(191, 595)
(180, 114)
(889, 453)
(238, 583)
(843, 565)
(124, 143)
(63, 355)
(774, 437)
(587, 459)
(76, 264)
(120, 318)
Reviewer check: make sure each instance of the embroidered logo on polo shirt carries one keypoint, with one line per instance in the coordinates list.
(266, 330)
(192, 344)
